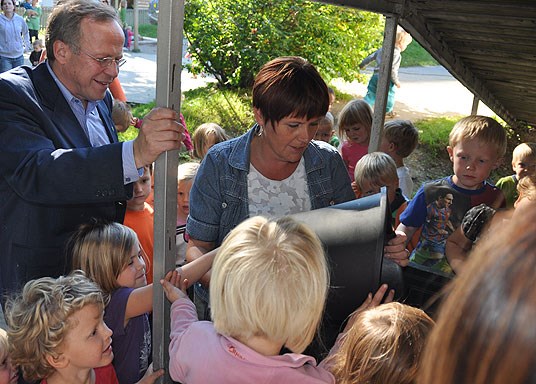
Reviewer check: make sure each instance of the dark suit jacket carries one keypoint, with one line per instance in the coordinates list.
(44, 198)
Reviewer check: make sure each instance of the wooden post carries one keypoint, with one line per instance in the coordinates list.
(136, 47)
(474, 107)
(384, 80)
(168, 94)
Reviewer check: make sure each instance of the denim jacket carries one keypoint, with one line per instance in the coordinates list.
(219, 195)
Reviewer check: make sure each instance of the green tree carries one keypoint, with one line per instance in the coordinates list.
(232, 39)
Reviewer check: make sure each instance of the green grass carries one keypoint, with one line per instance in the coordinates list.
(229, 109)
(148, 30)
(434, 133)
(416, 56)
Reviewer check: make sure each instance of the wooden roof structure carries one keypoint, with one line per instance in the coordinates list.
(487, 45)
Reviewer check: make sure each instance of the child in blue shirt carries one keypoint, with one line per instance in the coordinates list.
(476, 146)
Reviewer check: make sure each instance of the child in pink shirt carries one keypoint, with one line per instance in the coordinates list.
(355, 123)
(260, 263)
(267, 290)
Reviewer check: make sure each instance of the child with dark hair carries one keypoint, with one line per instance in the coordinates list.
(400, 138)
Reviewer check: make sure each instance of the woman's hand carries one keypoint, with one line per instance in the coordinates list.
(174, 286)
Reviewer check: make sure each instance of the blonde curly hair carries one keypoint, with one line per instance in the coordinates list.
(39, 318)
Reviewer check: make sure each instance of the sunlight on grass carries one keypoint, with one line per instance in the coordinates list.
(434, 133)
(416, 56)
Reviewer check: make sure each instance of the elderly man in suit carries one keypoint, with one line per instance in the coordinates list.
(60, 160)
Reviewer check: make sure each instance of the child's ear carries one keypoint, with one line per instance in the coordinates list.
(498, 163)
(451, 153)
(57, 362)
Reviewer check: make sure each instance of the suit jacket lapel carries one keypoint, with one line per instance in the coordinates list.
(57, 108)
(105, 115)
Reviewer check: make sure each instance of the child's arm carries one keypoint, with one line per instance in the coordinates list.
(367, 60)
(174, 286)
(140, 300)
(397, 59)
(198, 268)
(457, 248)
(409, 231)
(195, 250)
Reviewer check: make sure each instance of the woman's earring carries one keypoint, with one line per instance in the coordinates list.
(260, 130)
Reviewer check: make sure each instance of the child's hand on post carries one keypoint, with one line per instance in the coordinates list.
(151, 376)
(174, 286)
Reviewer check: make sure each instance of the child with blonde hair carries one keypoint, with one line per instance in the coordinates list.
(185, 177)
(355, 124)
(205, 136)
(382, 345)
(57, 333)
(268, 288)
(121, 115)
(476, 146)
(402, 40)
(526, 201)
(8, 373)
(110, 254)
(523, 163)
(267, 291)
(376, 170)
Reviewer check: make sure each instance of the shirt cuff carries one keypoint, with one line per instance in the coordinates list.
(130, 172)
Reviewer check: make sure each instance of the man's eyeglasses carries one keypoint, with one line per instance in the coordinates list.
(106, 61)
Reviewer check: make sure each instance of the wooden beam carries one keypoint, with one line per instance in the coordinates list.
(427, 37)
(384, 81)
(385, 7)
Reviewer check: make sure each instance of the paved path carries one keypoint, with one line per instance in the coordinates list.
(425, 91)
(138, 75)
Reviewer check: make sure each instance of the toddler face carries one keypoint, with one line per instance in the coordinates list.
(324, 132)
(134, 274)
(141, 191)
(524, 166)
(357, 133)
(183, 197)
(472, 161)
(89, 343)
